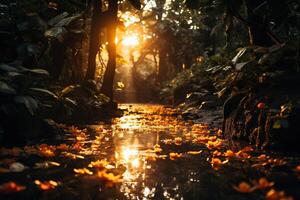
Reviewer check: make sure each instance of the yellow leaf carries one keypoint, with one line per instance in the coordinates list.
(46, 185)
(194, 152)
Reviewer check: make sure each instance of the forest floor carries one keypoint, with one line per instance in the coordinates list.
(148, 153)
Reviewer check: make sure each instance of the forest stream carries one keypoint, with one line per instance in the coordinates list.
(148, 153)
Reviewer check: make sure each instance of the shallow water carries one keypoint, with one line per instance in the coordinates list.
(130, 145)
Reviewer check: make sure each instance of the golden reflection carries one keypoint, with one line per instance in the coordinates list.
(130, 151)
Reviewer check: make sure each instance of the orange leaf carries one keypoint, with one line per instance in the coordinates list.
(243, 187)
(194, 152)
(109, 178)
(11, 187)
(277, 195)
(229, 154)
(46, 185)
(178, 140)
(297, 169)
(263, 183)
(98, 164)
(83, 171)
(174, 156)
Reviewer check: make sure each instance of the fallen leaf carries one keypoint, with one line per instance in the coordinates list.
(229, 154)
(11, 187)
(62, 147)
(243, 187)
(46, 150)
(83, 171)
(263, 183)
(99, 164)
(157, 148)
(277, 195)
(214, 144)
(16, 167)
(174, 156)
(276, 162)
(194, 152)
(217, 153)
(178, 140)
(46, 164)
(46, 185)
(109, 178)
(262, 157)
(216, 163)
(168, 141)
(242, 154)
(297, 169)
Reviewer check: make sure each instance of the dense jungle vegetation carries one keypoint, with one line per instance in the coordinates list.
(232, 65)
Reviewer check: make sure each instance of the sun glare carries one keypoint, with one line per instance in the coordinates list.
(130, 40)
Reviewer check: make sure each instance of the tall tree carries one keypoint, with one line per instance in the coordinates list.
(108, 79)
(94, 41)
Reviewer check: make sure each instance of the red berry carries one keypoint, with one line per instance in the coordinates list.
(261, 105)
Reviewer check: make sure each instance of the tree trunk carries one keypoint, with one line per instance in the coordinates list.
(162, 65)
(108, 79)
(94, 41)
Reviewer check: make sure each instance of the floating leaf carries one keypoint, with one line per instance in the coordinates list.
(178, 140)
(157, 148)
(216, 163)
(297, 169)
(229, 154)
(263, 183)
(174, 156)
(11, 187)
(46, 185)
(46, 165)
(194, 152)
(83, 171)
(277, 195)
(109, 178)
(16, 167)
(99, 164)
(244, 187)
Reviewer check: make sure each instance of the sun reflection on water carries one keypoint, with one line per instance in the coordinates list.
(134, 136)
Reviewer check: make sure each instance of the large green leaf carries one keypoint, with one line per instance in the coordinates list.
(44, 91)
(56, 32)
(7, 89)
(30, 103)
(8, 68)
(58, 18)
(71, 101)
(38, 71)
(67, 90)
(67, 21)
